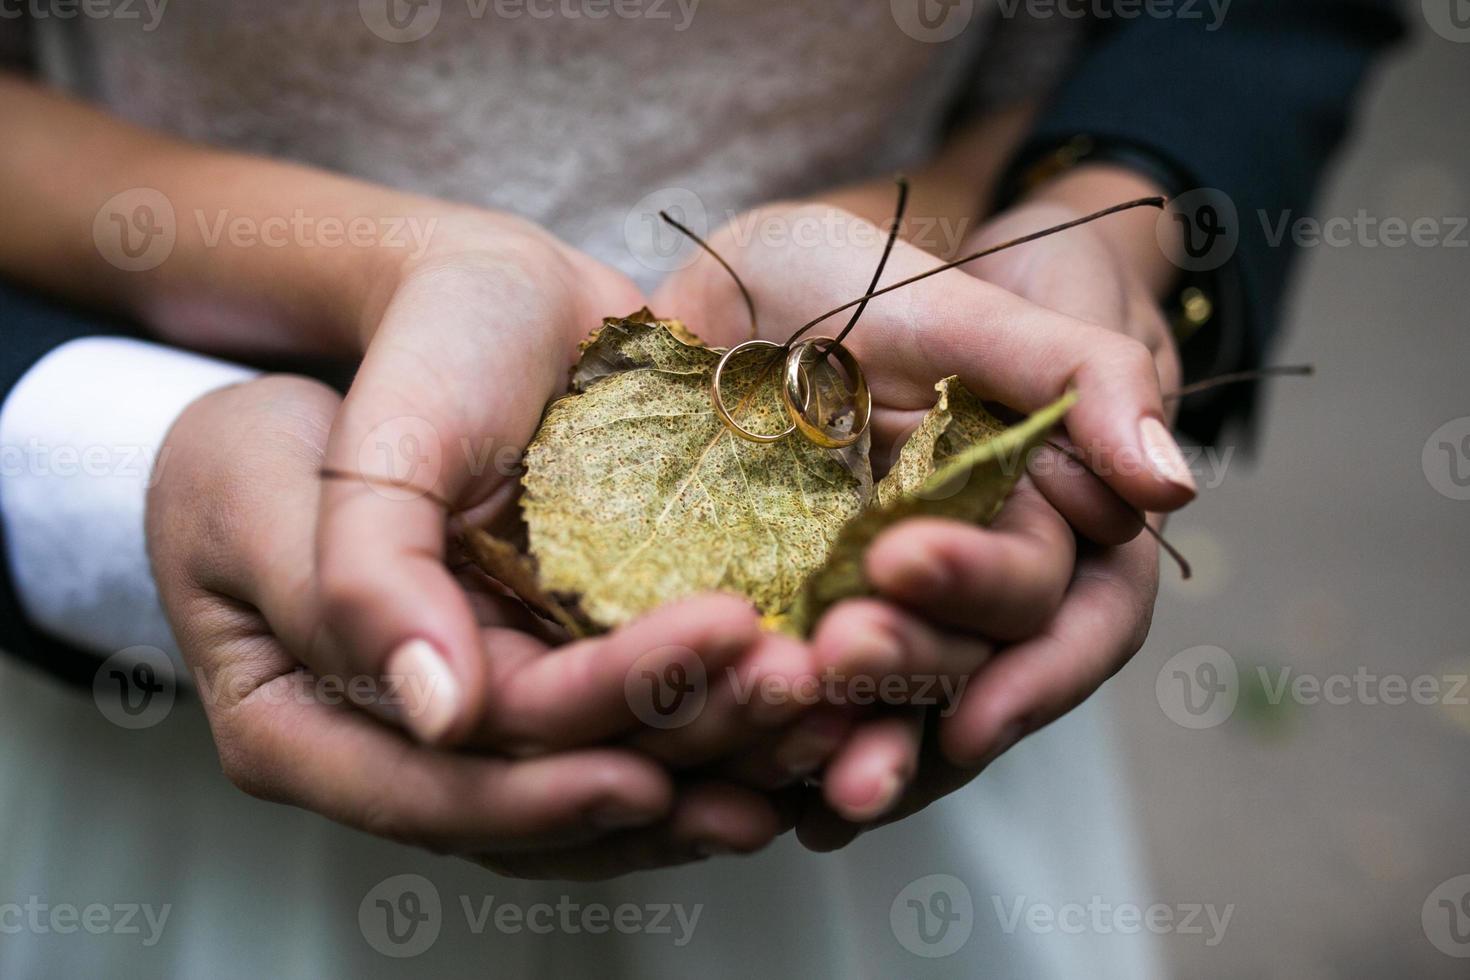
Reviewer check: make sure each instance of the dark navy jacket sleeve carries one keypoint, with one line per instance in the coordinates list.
(1253, 108)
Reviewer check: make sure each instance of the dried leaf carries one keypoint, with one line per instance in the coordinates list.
(517, 572)
(959, 464)
(957, 421)
(637, 494)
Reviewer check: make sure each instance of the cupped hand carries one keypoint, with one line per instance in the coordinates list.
(1104, 275)
(950, 595)
(469, 343)
(475, 339)
(231, 522)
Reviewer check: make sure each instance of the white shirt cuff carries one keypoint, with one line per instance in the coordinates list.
(79, 438)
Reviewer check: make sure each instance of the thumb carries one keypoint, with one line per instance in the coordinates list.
(433, 405)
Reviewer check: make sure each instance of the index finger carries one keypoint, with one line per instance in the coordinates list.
(1002, 347)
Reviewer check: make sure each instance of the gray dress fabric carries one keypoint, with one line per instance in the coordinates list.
(585, 125)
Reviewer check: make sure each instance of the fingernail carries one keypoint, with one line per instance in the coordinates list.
(885, 794)
(620, 816)
(876, 654)
(1163, 455)
(431, 691)
(919, 574)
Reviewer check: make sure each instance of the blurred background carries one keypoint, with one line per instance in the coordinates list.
(1341, 551)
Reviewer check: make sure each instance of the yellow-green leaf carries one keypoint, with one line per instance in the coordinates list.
(942, 471)
(636, 494)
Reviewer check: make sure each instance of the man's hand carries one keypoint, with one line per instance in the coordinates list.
(231, 523)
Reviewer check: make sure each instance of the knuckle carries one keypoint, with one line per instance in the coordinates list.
(1134, 357)
(241, 762)
(379, 817)
(347, 595)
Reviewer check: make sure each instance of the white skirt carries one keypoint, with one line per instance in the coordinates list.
(128, 854)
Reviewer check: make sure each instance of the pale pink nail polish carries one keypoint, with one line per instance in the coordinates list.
(430, 691)
(1163, 455)
(885, 794)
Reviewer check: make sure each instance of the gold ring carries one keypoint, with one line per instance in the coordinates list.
(719, 400)
(796, 389)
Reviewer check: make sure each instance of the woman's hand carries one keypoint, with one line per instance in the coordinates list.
(952, 592)
(231, 523)
(477, 337)
(470, 343)
(1109, 275)
(466, 321)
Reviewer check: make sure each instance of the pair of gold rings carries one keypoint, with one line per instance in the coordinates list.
(796, 392)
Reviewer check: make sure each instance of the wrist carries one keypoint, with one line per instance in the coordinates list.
(271, 258)
(483, 257)
(1132, 236)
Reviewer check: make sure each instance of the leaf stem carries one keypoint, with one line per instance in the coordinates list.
(1157, 202)
(744, 293)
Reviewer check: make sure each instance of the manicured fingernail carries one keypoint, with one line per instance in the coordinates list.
(430, 690)
(1163, 455)
(620, 816)
(885, 794)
